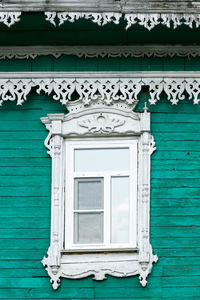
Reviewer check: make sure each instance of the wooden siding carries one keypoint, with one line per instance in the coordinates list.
(103, 5)
(25, 170)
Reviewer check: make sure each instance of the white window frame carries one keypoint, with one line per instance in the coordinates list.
(70, 175)
(102, 123)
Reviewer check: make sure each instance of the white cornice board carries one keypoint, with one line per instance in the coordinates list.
(26, 52)
(109, 86)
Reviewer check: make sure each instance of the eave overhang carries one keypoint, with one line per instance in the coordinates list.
(144, 13)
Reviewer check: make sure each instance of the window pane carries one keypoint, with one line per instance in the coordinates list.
(88, 193)
(111, 159)
(88, 228)
(120, 210)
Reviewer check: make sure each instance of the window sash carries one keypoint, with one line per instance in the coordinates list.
(106, 175)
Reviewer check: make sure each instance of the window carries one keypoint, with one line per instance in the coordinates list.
(101, 204)
(100, 192)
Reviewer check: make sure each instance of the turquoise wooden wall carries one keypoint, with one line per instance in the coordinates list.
(25, 182)
(25, 178)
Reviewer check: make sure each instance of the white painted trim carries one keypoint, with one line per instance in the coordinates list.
(64, 129)
(114, 87)
(31, 52)
(148, 20)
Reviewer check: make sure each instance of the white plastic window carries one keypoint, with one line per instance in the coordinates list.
(101, 203)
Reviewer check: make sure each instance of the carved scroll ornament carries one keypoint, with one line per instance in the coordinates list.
(110, 87)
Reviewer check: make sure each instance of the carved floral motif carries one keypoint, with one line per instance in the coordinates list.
(101, 123)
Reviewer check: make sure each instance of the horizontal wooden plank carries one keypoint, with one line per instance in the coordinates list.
(128, 293)
(25, 162)
(22, 254)
(25, 171)
(24, 222)
(10, 244)
(21, 273)
(42, 282)
(182, 118)
(6, 125)
(173, 126)
(24, 135)
(177, 252)
(17, 144)
(182, 192)
(33, 180)
(176, 154)
(44, 293)
(174, 202)
(176, 211)
(31, 201)
(25, 191)
(174, 181)
(186, 175)
(175, 221)
(176, 164)
(173, 136)
(39, 233)
(164, 106)
(174, 241)
(18, 212)
(165, 232)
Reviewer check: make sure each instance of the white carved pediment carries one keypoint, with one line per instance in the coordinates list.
(101, 123)
(100, 120)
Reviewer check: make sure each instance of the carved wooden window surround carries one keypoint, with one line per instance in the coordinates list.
(98, 125)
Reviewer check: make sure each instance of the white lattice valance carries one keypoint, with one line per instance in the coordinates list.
(148, 20)
(108, 86)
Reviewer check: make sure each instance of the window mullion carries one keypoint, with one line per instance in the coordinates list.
(107, 215)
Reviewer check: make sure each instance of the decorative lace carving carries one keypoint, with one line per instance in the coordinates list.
(9, 18)
(98, 18)
(99, 51)
(111, 88)
(148, 20)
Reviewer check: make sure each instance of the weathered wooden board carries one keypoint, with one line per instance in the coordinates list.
(102, 5)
